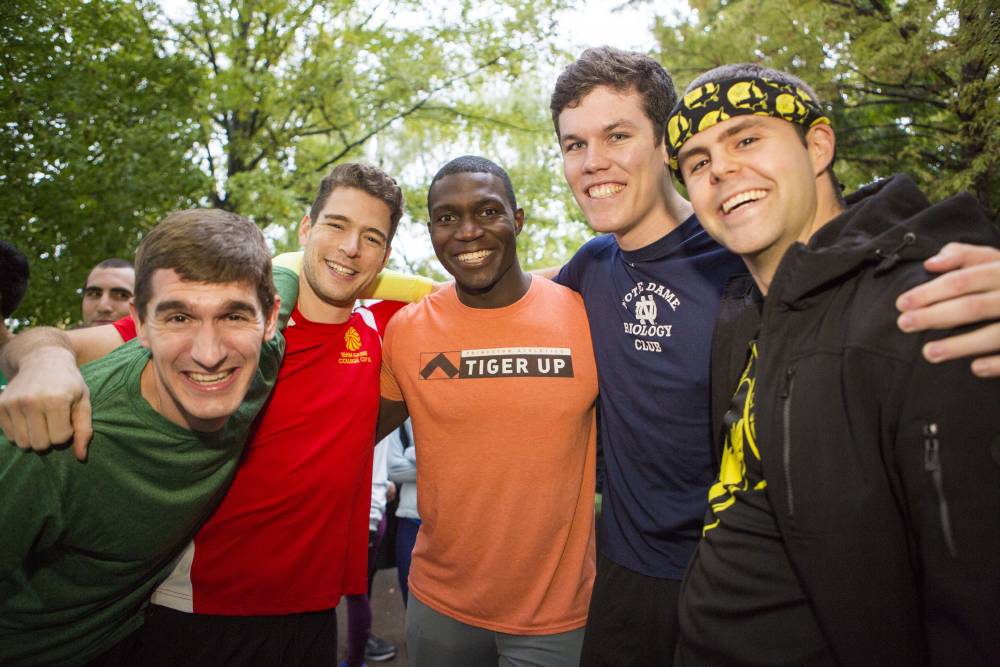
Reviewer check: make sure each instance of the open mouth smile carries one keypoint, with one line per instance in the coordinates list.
(340, 268)
(471, 258)
(604, 190)
(741, 199)
(210, 381)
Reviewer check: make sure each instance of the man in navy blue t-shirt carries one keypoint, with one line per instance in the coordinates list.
(651, 284)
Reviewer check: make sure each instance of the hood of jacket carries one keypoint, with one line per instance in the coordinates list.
(884, 223)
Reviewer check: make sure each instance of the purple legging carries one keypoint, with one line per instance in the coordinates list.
(359, 611)
(406, 537)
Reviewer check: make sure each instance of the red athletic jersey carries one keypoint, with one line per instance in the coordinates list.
(291, 533)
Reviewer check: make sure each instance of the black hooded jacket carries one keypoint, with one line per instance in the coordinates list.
(883, 470)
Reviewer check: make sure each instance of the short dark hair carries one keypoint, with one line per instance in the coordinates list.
(14, 273)
(473, 164)
(113, 263)
(622, 71)
(205, 245)
(370, 180)
(110, 263)
(757, 71)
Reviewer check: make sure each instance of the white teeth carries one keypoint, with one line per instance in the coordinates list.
(741, 198)
(341, 269)
(471, 257)
(206, 378)
(605, 190)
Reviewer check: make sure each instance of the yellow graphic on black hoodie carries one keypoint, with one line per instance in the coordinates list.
(741, 441)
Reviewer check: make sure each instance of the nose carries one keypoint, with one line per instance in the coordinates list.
(468, 229)
(350, 245)
(105, 306)
(722, 165)
(595, 159)
(208, 348)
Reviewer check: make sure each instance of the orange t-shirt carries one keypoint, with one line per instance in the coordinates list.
(502, 402)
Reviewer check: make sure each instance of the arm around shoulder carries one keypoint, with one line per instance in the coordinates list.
(47, 402)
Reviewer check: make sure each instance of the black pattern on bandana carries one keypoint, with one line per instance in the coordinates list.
(717, 101)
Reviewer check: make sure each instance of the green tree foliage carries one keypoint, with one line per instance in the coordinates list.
(115, 113)
(94, 139)
(913, 84)
(291, 87)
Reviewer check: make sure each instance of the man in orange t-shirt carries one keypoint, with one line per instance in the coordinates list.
(498, 375)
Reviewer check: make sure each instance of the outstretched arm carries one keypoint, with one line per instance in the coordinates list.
(47, 402)
(967, 292)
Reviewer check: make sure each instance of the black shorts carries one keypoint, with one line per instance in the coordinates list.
(171, 637)
(632, 618)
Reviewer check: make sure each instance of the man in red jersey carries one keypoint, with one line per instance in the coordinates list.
(260, 581)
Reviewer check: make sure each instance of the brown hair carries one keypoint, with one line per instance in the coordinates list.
(622, 71)
(208, 246)
(368, 179)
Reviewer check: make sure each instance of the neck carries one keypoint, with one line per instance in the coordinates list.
(315, 309)
(513, 285)
(671, 210)
(763, 266)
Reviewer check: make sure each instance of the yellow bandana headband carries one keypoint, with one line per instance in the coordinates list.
(715, 102)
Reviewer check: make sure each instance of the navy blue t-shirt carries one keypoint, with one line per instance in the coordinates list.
(652, 313)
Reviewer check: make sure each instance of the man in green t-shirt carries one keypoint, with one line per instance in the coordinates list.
(83, 548)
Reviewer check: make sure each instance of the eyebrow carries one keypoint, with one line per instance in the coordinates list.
(621, 122)
(735, 129)
(233, 305)
(344, 218)
(479, 203)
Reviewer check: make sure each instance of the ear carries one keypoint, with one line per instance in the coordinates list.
(518, 221)
(305, 226)
(385, 260)
(821, 142)
(271, 320)
(140, 328)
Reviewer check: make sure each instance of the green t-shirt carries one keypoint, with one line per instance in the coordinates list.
(84, 545)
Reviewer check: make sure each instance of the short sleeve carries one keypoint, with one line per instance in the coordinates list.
(388, 387)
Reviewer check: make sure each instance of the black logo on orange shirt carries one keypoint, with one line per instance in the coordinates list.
(497, 363)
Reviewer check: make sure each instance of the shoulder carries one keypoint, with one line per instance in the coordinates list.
(595, 252)
(415, 317)
(377, 314)
(111, 374)
(599, 248)
(554, 292)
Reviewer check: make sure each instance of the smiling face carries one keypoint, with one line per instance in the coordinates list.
(107, 295)
(754, 186)
(343, 251)
(615, 167)
(474, 233)
(204, 340)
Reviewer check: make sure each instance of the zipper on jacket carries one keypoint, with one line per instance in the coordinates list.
(786, 435)
(932, 464)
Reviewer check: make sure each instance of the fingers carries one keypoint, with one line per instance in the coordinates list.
(983, 341)
(987, 367)
(965, 305)
(969, 268)
(36, 423)
(956, 255)
(83, 428)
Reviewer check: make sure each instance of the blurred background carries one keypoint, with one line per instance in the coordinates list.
(113, 113)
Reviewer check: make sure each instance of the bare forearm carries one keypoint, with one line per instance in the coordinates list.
(39, 341)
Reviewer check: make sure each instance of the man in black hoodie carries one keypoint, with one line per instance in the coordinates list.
(854, 520)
